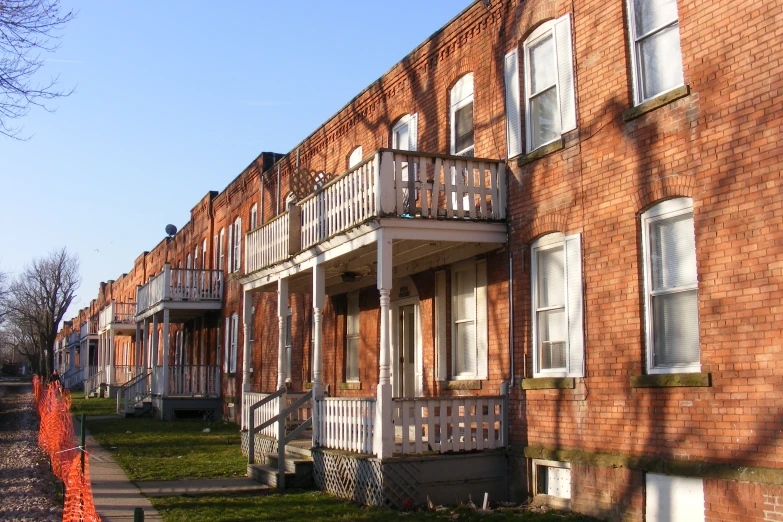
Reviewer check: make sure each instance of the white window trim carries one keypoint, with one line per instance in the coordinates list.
(634, 39)
(254, 216)
(412, 121)
(353, 298)
(564, 83)
(220, 246)
(233, 348)
(458, 99)
(480, 372)
(541, 463)
(355, 157)
(237, 253)
(573, 308)
(662, 210)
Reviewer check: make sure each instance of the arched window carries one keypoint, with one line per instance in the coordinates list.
(671, 287)
(461, 116)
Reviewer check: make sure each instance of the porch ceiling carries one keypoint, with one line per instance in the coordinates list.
(414, 249)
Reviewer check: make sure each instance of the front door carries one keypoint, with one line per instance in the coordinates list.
(406, 351)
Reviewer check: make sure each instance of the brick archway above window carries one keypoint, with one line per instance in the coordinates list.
(529, 18)
(544, 224)
(666, 187)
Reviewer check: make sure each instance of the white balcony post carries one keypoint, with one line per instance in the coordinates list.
(167, 281)
(384, 183)
(145, 354)
(155, 342)
(319, 291)
(383, 440)
(247, 317)
(282, 317)
(110, 377)
(165, 377)
(138, 347)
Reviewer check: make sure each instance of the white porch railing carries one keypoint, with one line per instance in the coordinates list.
(135, 390)
(92, 383)
(391, 183)
(122, 374)
(449, 424)
(122, 313)
(89, 327)
(194, 380)
(261, 414)
(180, 284)
(268, 244)
(345, 424)
(74, 377)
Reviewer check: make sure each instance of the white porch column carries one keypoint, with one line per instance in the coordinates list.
(319, 291)
(146, 357)
(110, 377)
(165, 377)
(154, 355)
(137, 344)
(247, 317)
(282, 317)
(383, 441)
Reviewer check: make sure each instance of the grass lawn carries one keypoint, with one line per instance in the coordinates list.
(94, 406)
(149, 449)
(313, 506)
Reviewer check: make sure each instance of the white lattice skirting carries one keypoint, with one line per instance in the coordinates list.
(263, 445)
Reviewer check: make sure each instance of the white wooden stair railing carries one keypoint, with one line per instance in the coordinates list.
(135, 390)
(280, 419)
(92, 382)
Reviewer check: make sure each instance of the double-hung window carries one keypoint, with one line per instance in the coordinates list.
(671, 287)
(352, 339)
(655, 47)
(556, 282)
(232, 332)
(549, 84)
(288, 345)
(253, 217)
(404, 136)
(221, 244)
(461, 116)
(469, 319)
(237, 244)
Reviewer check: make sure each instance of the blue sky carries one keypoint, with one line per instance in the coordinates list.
(174, 99)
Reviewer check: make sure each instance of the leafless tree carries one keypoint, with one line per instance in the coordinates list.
(28, 29)
(38, 300)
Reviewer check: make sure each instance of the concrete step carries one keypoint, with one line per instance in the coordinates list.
(267, 475)
(301, 467)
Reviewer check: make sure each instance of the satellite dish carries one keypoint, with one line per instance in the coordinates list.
(171, 230)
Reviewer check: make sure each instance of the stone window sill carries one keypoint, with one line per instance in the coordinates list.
(462, 385)
(349, 386)
(672, 380)
(656, 103)
(548, 383)
(541, 152)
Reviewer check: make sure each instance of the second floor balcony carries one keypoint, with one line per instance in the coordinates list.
(117, 315)
(186, 292)
(89, 329)
(426, 190)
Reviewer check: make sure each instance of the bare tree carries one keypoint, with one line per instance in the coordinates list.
(28, 28)
(3, 296)
(38, 300)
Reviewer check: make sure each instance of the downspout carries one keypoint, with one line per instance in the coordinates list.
(511, 313)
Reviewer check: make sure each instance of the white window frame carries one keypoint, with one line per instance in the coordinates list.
(460, 95)
(636, 63)
(289, 343)
(673, 498)
(480, 345)
(232, 343)
(254, 216)
(237, 244)
(204, 254)
(559, 31)
(541, 465)
(355, 157)
(221, 244)
(411, 121)
(352, 308)
(573, 306)
(663, 210)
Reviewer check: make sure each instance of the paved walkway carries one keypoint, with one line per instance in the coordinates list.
(116, 496)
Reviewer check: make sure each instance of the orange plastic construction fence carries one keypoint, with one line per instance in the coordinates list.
(56, 437)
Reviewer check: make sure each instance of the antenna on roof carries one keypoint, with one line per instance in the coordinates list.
(171, 230)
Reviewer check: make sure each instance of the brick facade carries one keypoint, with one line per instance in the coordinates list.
(716, 144)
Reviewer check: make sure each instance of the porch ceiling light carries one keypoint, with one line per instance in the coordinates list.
(351, 277)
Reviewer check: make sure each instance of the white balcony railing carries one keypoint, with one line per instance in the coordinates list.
(194, 380)
(180, 284)
(116, 313)
(122, 374)
(88, 327)
(391, 183)
(345, 424)
(449, 424)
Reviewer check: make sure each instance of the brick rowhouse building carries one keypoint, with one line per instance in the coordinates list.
(622, 279)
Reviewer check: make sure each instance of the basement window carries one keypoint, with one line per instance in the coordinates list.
(553, 479)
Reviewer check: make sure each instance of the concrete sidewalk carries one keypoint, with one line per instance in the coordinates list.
(116, 496)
